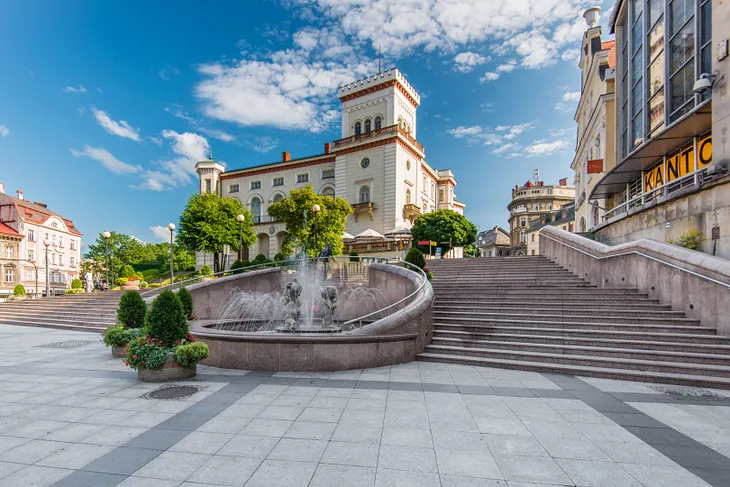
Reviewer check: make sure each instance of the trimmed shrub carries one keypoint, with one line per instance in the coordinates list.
(127, 271)
(246, 263)
(237, 266)
(166, 319)
(206, 270)
(259, 259)
(119, 336)
(150, 274)
(77, 284)
(354, 257)
(279, 257)
(144, 284)
(186, 299)
(19, 290)
(415, 257)
(190, 354)
(132, 310)
(122, 281)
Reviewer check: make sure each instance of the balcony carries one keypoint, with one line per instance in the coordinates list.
(391, 129)
(368, 208)
(257, 220)
(411, 212)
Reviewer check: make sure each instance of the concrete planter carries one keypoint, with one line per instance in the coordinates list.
(118, 351)
(130, 286)
(171, 370)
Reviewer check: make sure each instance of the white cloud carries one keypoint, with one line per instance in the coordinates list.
(505, 148)
(168, 72)
(218, 134)
(106, 159)
(570, 55)
(545, 148)
(488, 76)
(262, 144)
(120, 128)
(571, 96)
(462, 132)
(75, 89)
(4, 131)
(162, 234)
(561, 132)
(508, 67)
(189, 148)
(514, 130)
(466, 61)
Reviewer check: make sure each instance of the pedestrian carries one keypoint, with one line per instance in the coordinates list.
(89, 278)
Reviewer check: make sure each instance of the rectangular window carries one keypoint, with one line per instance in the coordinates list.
(30, 274)
(31, 255)
(233, 188)
(9, 275)
(328, 173)
(60, 240)
(8, 252)
(73, 244)
(207, 186)
(278, 182)
(705, 39)
(53, 239)
(73, 262)
(31, 235)
(255, 184)
(60, 259)
(523, 222)
(303, 178)
(53, 259)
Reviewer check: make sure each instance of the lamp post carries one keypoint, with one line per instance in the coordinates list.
(240, 219)
(315, 210)
(46, 244)
(171, 227)
(106, 236)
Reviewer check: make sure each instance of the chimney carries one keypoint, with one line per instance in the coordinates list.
(2, 188)
(563, 182)
(326, 147)
(20, 194)
(285, 157)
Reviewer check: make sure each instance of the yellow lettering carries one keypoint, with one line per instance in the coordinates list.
(704, 147)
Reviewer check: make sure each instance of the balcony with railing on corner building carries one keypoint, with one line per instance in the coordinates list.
(366, 207)
(411, 211)
(260, 220)
(391, 129)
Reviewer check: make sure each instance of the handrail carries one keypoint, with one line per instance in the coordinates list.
(636, 252)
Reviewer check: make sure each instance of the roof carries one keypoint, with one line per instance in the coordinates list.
(489, 237)
(6, 230)
(547, 219)
(611, 46)
(40, 214)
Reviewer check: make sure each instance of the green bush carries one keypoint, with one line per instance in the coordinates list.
(429, 276)
(205, 270)
(150, 274)
(127, 271)
(19, 290)
(354, 257)
(74, 291)
(144, 284)
(190, 354)
(237, 266)
(689, 240)
(122, 281)
(259, 259)
(119, 336)
(146, 352)
(132, 310)
(186, 299)
(246, 263)
(139, 276)
(279, 257)
(166, 319)
(77, 284)
(415, 257)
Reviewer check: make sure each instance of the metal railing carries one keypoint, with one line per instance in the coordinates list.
(343, 270)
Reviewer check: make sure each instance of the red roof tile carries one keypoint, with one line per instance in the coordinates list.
(6, 230)
(40, 214)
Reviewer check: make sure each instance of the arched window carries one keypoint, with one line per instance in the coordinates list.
(595, 216)
(367, 125)
(408, 196)
(378, 122)
(277, 197)
(365, 194)
(256, 209)
(329, 191)
(358, 128)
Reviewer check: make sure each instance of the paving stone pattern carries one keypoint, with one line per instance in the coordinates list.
(77, 417)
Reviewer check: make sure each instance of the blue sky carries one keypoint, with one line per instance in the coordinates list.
(105, 106)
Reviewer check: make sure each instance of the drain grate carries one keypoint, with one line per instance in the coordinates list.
(682, 391)
(68, 344)
(172, 392)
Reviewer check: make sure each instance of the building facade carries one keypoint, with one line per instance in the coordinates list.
(563, 218)
(35, 223)
(377, 165)
(494, 242)
(530, 202)
(595, 150)
(9, 266)
(671, 97)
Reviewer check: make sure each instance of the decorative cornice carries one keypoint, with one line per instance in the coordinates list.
(381, 86)
(277, 168)
(369, 145)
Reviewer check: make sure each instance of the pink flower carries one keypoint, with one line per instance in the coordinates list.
(134, 356)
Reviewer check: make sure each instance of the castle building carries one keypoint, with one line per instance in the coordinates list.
(377, 165)
(532, 201)
(24, 226)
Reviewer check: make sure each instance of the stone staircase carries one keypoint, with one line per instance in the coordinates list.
(528, 313)
(84, 312)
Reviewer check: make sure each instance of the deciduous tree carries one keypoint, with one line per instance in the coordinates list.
(446, 227)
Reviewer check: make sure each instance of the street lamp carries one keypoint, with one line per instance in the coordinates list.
(47, 243)
(106, 236)
(315, 210)
(240, 219)
(171, 227)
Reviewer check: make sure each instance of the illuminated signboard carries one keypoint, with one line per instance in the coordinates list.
(680, 164)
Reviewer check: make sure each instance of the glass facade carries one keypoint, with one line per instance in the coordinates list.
(664, 46)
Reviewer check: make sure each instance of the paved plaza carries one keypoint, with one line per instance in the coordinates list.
(71, 415)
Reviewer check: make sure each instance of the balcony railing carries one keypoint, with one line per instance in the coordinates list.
(411, 211)
(391, 129)
(264, 219)
(368, 207)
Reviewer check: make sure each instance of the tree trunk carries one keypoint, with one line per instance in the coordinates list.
(216, 268)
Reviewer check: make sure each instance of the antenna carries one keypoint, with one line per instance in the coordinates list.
(536, 175)
(211, 154)
(380, 58)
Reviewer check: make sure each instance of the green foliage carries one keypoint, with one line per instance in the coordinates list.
(132, 310)
(304, 229)
(119, 336)
(205, 270)
(144, 284)
(259, 259)
(127, 271)
(190, 354)
(208, 224)
(150, 274)
(77, 284)
(429, 276)
(354, 257)
(146, 352)
(122, 281)
(166, 319)
(415, 257)
(246, 263)
(186, 299)
(689, 240)
(19, 290)
(237, 266)
(74, 291)
(280, 257)
(471, 251)
(444, 226)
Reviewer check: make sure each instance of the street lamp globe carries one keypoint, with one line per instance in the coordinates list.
(47, 242)
(106, 235)
(240, 218)
(171, 227)
(315, 208)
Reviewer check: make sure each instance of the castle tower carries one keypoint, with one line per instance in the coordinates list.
(209, 172)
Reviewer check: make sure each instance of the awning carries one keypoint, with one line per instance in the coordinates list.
(369, 233)
(399, 232)
(665, 143)
(347, 236)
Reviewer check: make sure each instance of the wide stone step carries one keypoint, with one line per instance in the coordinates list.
(659, 318)
(60, 313)
(635, 332)
(94, 321)
(59, 326)
(720, 345)
(582, 370)
(544, 292)
(587, 306)
(587, 360)
(511, 285)
(563, 301)
(629, 353)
